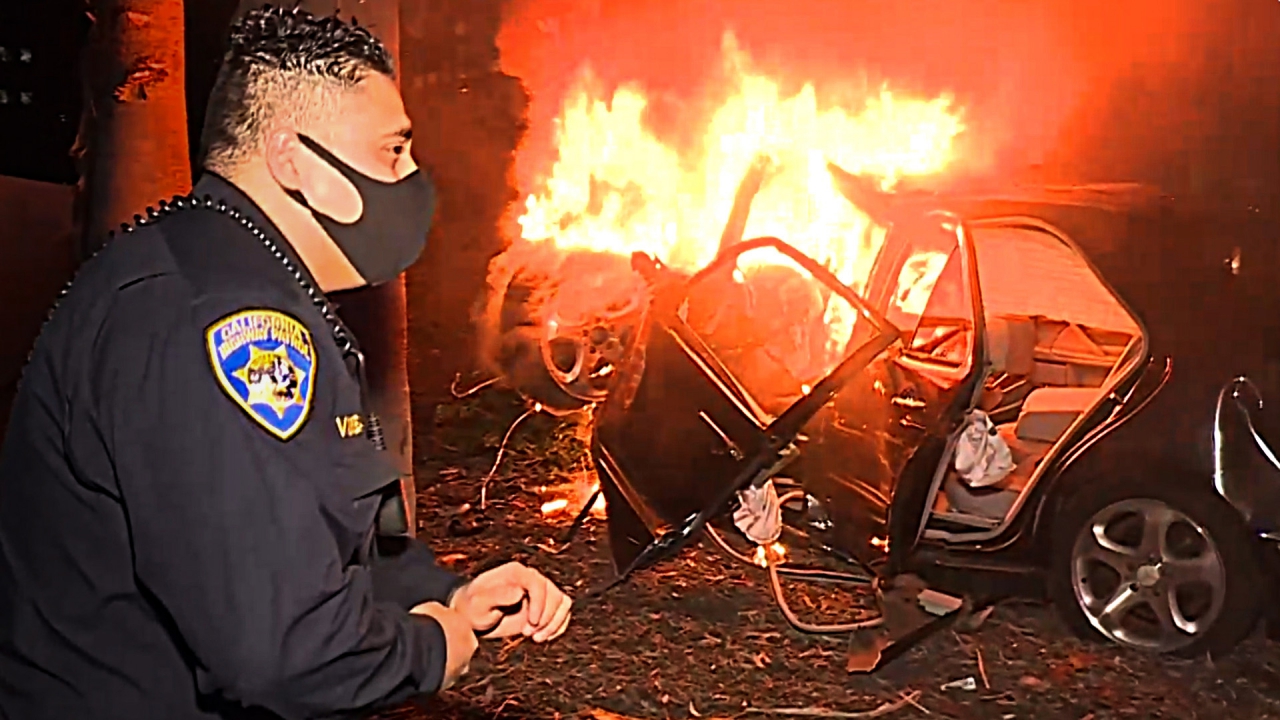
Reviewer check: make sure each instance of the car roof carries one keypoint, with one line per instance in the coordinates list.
(1149, 247)
(1120, 197)
(1152, 248)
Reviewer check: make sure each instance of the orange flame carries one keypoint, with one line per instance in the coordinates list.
(554, 506)
(774, 553)
(576, 494)
(617, 187)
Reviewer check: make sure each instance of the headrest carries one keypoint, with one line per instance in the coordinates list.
(1011, 345)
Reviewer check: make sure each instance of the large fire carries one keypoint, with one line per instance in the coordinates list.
(617, 187)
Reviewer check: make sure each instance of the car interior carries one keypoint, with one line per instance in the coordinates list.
(1057, 341)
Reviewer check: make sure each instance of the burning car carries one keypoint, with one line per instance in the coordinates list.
(1055, 390)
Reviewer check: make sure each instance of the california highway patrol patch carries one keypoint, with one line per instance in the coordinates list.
(265, 361)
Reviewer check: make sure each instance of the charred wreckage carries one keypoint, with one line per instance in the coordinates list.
(1055, 391)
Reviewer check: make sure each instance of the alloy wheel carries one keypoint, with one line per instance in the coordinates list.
(1147, 575)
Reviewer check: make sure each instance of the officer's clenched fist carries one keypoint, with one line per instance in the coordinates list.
(514, 600)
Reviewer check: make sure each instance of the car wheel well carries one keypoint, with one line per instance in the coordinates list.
(1157, 485)
(1054, 499)
(1055, 492)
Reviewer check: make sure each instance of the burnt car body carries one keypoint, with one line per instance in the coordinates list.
(1120, 342)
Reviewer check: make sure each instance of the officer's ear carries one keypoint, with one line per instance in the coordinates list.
(299, 170)
(283, 152)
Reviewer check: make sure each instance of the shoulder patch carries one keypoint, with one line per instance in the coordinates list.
(265, 361)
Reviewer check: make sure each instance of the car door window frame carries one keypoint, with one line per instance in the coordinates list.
(697, 345)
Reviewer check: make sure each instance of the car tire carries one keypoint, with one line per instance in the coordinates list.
(1080, 562)
(519, 356)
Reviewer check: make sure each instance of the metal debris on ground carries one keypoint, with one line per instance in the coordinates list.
(967, 684)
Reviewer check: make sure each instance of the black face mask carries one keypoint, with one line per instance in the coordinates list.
(392, 229)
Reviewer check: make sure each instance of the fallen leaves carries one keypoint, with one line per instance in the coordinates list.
(602, 714)
(705, 629)
(878, 711)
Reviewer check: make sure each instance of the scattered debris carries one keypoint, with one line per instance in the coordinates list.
(915, 703)
(706, 629)
(502, 707)
(1031, 681)
(982, 669)
(864, 652)
(971, 622)
(879, 711)
(602, 714)
(468, 526)
(939, 604)
(967, 684)
(508, 648)
(551, 548)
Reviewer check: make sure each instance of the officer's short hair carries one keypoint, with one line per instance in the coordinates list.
(280, 63)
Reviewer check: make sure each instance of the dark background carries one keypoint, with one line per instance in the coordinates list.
(39, 97)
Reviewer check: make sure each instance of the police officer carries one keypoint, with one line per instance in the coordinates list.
(194, 521)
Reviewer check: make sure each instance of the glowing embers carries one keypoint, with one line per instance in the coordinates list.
(554, 506)
(772, 554)
(570, 498)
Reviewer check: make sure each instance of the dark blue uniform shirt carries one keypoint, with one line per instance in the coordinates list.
(187, 506)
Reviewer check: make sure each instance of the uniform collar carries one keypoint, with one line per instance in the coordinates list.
(222, 189)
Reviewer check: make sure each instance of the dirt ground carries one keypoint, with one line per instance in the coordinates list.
(701, 636)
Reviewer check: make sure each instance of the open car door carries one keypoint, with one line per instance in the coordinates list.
(903, 415)
(728, 368)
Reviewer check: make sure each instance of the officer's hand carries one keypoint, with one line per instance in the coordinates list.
(514, 600)
(459, 637)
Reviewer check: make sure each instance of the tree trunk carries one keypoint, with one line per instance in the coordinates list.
(135, 124)
(377, 315)
(468, 119)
